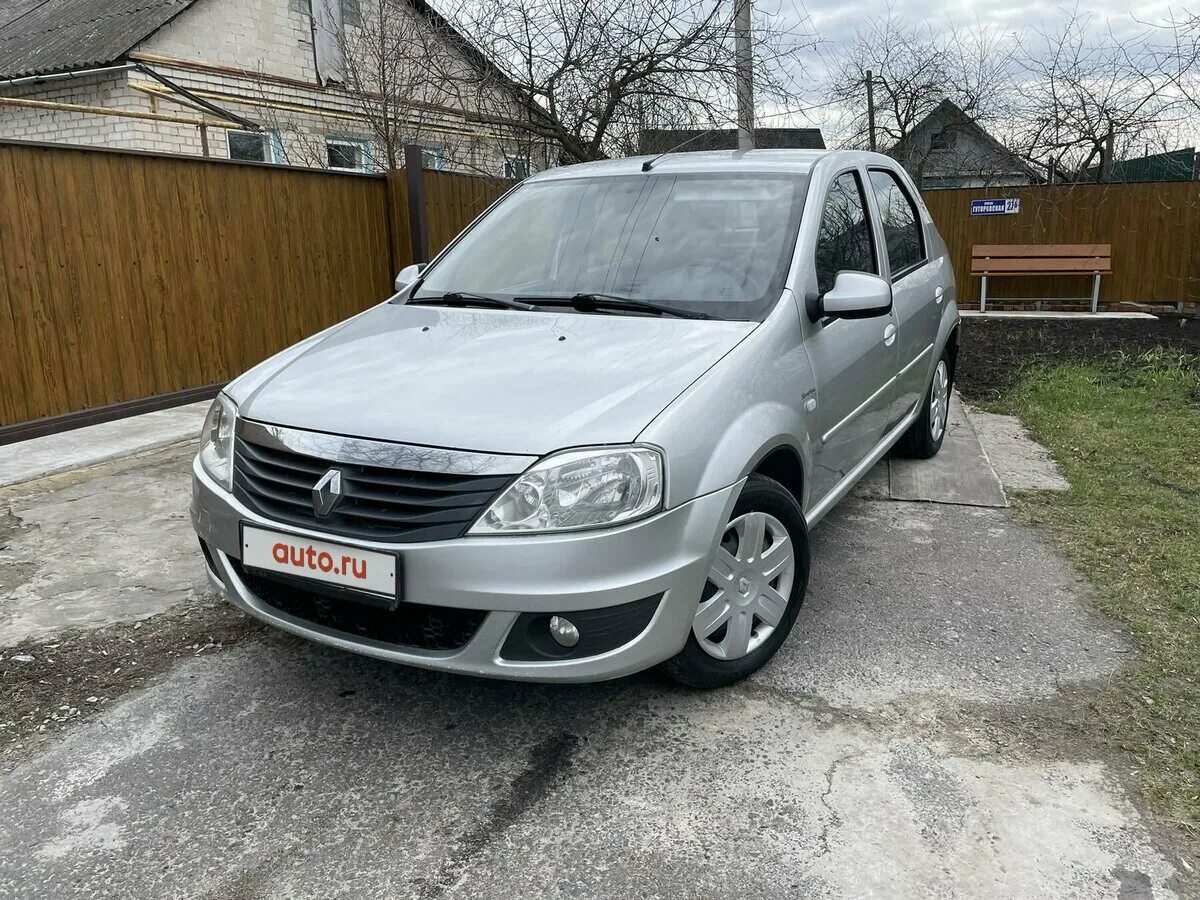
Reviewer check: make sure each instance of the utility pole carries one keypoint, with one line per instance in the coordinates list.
(744, 63)
(870, 111)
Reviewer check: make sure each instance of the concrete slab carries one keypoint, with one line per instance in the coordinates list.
(960, 473)
(1021, 463)
(113, 546)
(55, 453)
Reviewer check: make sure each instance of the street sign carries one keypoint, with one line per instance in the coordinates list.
(1005, 207)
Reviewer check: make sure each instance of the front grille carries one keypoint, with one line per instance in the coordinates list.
(408, 624)
(378, 503)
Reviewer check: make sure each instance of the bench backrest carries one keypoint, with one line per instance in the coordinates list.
(1039, 259)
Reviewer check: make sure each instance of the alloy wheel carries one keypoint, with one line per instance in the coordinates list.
(939, 400)
(748, 588)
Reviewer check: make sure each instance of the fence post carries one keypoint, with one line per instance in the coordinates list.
(418, 221)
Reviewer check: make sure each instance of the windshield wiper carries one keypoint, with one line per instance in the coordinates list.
(468, 298)
(590, 300)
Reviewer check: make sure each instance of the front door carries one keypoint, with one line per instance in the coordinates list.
(854, 360)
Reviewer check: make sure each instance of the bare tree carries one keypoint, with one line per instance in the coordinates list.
(915, 66)
(415, 78)
(1090, 96)
(1069, 101)
(403, 75)
(593, 73)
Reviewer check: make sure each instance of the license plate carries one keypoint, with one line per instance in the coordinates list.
(290, 554)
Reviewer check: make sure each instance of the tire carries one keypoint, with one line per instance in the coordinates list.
(746, 577)
(924, 437)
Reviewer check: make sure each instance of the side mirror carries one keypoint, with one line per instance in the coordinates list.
(408, 275)
(855, 295)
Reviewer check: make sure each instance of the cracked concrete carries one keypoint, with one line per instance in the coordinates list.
(283, 769)
(870, 759)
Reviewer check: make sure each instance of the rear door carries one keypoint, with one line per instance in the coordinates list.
(916, 286)
(853, 360)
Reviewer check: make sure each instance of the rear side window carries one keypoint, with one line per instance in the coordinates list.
(901, 224)
(844, 240)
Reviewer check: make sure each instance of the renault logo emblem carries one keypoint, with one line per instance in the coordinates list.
(328, 493)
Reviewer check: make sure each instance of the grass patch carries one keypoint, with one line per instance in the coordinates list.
(1126, 433)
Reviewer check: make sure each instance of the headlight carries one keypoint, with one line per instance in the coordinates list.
(579, 489)
(216, 441)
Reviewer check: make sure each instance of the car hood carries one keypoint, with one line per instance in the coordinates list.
(498, 381)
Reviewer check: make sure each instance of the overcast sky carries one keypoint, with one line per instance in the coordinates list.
(834, 22)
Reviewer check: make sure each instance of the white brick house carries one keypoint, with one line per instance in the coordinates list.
(269, 62)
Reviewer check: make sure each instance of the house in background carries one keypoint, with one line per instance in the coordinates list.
(666, 140)
(949, 149)
(1174, 165)
(268, 78)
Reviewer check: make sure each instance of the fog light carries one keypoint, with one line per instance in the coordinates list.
(564, 633)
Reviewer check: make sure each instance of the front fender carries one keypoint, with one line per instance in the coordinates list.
(749, 439)
(739, 411)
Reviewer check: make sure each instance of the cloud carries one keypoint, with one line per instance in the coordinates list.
(834, 23)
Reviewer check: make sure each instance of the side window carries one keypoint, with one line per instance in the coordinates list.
(901, 224)
(844, 240)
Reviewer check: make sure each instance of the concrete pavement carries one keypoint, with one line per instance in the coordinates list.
(86, 549)
(120, 439)
(880, 755)
(856, 765)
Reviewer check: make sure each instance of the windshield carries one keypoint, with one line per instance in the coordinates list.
(715, 244)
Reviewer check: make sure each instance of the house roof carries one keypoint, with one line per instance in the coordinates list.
(945, 116)
(664, 140)
(1174, 165)
(38, 37)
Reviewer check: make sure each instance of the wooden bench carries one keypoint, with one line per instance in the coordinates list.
(1003, 260)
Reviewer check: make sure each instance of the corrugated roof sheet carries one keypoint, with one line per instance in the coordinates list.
(42, 36)
(1175, 165)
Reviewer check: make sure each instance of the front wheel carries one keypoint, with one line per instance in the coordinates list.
(754, 589)
(924, 437)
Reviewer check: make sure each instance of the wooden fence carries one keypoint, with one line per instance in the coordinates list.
(1154, 230)
(127, 276)
(132, 279)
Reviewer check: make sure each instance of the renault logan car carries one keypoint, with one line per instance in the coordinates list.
(592, 436)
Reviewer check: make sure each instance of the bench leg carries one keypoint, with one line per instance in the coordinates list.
(1096, 292)
(983, 295)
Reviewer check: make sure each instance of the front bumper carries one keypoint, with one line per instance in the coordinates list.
(667, 554)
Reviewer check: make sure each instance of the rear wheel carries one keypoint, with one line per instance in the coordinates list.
(924, 437)
(754, 589)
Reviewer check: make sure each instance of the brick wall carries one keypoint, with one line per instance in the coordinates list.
(76, 128)
(272, 36)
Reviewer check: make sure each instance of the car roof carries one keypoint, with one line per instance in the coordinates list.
(798, 162)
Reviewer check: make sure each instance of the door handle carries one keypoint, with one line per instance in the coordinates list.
(939, 294)
(889, 335)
